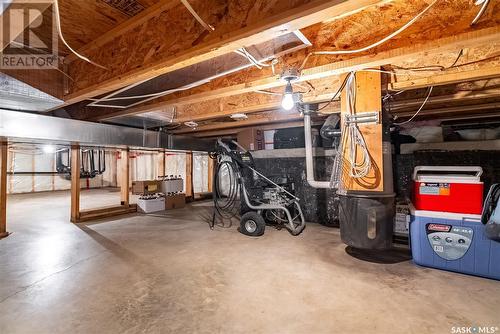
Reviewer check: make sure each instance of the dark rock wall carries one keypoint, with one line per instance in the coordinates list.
(321, 206)
(404, 165)
(318, 205)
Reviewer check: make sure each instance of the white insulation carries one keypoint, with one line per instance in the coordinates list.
(144, 165)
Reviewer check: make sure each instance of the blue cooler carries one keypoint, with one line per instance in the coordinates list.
(455, 242)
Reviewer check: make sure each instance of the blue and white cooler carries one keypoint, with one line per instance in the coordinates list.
(455, 242)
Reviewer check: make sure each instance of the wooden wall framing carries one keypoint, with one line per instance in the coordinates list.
(3, 189)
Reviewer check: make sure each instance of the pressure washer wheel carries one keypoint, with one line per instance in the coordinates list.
(252, 224)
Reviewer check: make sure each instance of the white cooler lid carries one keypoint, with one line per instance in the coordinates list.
(454, 174)
(443, 215)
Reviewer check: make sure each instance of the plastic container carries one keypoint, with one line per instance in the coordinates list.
(366, 222)
(453, 242)
(448, 189)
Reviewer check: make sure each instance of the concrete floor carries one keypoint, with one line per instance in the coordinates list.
(171, 274)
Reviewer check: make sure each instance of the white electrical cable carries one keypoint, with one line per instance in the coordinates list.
(383, 40)
(59, 29)
(196, 16)
(165, 92)
(358, 169)
(259, 64)
(419, 109)
(481, 11)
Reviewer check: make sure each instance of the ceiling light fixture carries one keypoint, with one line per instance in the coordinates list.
(239, 116)
(193, 125)
(289, 97)
(49, 149)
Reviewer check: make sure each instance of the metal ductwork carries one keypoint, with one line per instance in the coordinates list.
(33, 128)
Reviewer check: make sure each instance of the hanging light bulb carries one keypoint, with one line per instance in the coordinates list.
(49, 149)
(288, 101)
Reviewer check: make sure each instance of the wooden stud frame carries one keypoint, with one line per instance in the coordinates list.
(3, 189)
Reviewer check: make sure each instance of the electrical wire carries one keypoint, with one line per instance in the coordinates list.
(259, 64)
(335, 96)
(59, 29)
(419, 109)
(165, 92)
(242, 51)
(196, 16)
(383, 40)
(358, 169)
(481, 11)
(432, 67)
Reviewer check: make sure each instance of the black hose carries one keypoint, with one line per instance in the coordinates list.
(226, 204)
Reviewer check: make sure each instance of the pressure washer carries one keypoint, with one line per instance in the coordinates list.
(241, 190)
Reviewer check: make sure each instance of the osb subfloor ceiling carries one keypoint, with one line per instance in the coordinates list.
(161, 52)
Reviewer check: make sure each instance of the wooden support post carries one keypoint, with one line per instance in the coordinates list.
(75, 183)
(3, 189)
(211, 172)
(189, 175)
(163, 163)
(368, 99)
(125, 177)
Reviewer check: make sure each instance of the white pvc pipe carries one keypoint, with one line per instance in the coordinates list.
(309, 156)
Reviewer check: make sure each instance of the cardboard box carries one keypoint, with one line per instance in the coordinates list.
(146, 187)
(175, 202)
(251, 139)
(151, 205)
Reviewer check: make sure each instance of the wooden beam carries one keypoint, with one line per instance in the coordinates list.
(125, 177)
(234, 131)
(461, 97)
(180, 41)
(75, 183)
(448, 78)
(125, 27)
(189, 175)
(163, 163)
(4, 148)
(458, 110)
(264, 118)
(211, 174)
(317, 91)
(107, 212)
(418, 47)
(368, 92)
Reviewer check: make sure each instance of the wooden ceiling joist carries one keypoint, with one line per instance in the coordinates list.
(123, 28)
(253, 120)
(263, 127)
(448, 78)
(417, 47)
(317, 91)
(174, 39)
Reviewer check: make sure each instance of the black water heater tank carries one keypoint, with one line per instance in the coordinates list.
(367, 221)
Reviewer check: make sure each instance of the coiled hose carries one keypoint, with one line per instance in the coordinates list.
(226, 200)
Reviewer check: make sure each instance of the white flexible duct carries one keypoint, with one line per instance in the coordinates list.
(309, 155)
